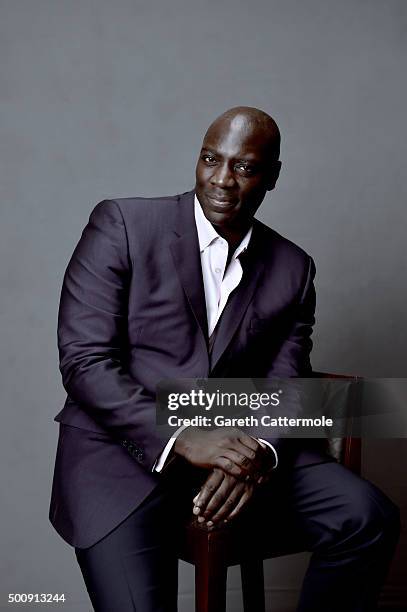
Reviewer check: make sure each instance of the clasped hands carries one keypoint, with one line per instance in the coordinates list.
(238, 464)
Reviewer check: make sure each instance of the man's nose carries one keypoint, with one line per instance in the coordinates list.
(223, 177)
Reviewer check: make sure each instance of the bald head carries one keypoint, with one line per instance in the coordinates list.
(249, 121)
(237, 165)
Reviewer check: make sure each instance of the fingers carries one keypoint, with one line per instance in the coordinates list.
(263, 457)
(236, 465)
(234, 503)
(208, 489)
(250, 448)
(238, 507)
(247, 440)
(224, 492)
(238, 459)
(229, 503)
(231, 450)
(221, 498)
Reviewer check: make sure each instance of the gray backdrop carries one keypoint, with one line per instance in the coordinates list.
(103, 99)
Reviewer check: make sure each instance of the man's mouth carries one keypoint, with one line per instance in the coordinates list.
(221, 202)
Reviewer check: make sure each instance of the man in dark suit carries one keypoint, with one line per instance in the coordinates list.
(192, 286)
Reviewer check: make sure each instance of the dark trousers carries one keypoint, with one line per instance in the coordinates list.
(351, 527)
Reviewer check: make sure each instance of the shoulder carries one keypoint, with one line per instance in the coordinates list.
(139, 214)
(148, 206)
(286, 263)
(277, 246)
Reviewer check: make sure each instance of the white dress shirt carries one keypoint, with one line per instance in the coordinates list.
(218, 285)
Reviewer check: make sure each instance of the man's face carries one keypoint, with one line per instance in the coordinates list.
(234, 170)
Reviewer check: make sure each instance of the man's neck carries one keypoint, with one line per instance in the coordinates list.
(233, 236)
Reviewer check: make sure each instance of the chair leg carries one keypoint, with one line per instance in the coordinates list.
(210, 585)
(253, 585)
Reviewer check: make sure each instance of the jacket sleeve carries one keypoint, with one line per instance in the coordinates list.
(293, 360)
(92, 336)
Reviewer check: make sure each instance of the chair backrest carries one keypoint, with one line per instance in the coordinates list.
(347, 450)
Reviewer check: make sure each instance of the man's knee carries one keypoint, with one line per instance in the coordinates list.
(373, 518)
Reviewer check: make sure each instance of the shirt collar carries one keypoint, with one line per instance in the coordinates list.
(207, 233)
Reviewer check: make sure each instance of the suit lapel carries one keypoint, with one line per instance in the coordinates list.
(185, 253)
(241, 297)
(187, 260)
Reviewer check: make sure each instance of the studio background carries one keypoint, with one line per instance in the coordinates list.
(102, 99)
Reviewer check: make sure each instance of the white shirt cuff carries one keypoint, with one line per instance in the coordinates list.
(162, 457)
(272, 448)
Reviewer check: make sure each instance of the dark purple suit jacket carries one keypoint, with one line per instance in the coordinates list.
(132, 313)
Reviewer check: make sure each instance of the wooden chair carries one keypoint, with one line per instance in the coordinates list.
(212, 552)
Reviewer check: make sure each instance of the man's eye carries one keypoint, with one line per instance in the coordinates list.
(245, 168)
(209, 159)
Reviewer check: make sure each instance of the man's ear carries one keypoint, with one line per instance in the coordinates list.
(273, 175)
